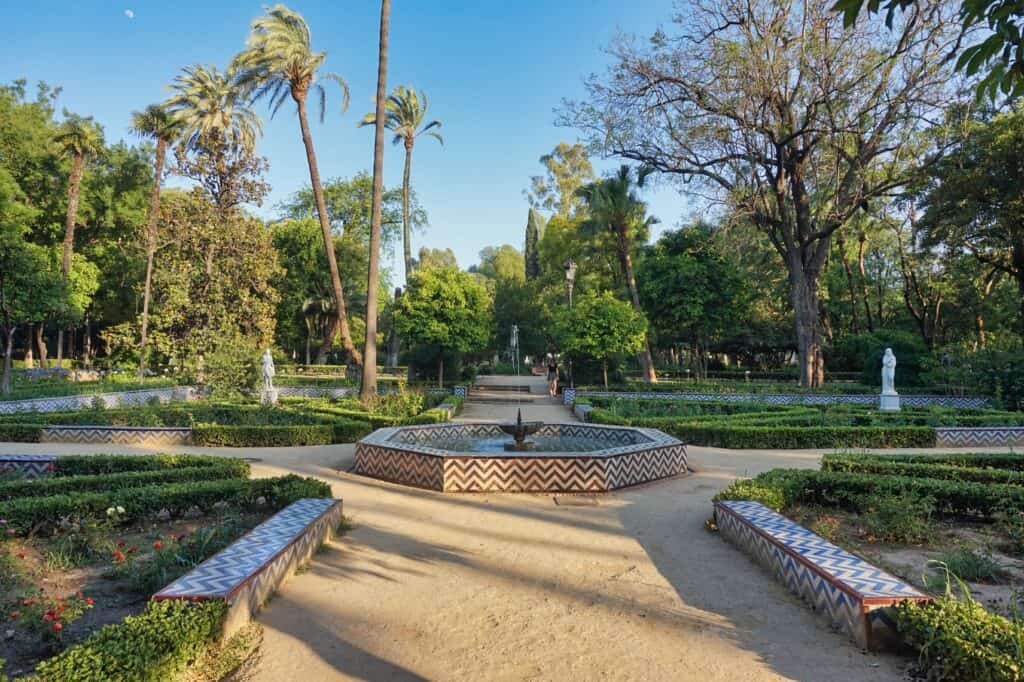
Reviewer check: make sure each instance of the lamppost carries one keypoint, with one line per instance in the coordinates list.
(570, 281)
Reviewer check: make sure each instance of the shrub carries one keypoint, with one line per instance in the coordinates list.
(899, 519)
(156, 645)
(81, 465)
(261, 436)
(966, 564)
(893, 466)
(20, 433)
(748, 489)
(960, 640)
(349, 431)
(41, 487)
(796, 437)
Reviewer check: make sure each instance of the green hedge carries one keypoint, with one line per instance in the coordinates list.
(981, 460)
(960, 640)
(852, 491)
(265, 436)
(82, 465)
(25, 513)
(43, 487)
(157, 645)
(20, 433)
(870, 465)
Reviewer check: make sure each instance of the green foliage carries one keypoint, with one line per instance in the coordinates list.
(567, 168)
(899, 519)
(216, 435)
(21, 433)
(746, 489)
(958, 639)
(1008, 461)
(41, 487)
(154, 646)
(863, 352)
(900, 466)
(94, 465)
(535, 224)
(972, 566)
(601, 326)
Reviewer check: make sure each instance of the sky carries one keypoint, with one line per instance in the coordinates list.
(493, 71)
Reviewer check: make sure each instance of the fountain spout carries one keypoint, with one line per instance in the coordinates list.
(519, 430)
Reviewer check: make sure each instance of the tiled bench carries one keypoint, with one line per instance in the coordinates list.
(29, 466)
(248, 571)
(854, 595)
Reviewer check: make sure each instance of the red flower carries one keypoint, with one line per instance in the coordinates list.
(79, 595)
(28, 602)
(120, 543)
(61, 607)
(48, 618)
(59, 599)
(158, 544)
(15, 615)
(57, 627)
(89, 601)
(21, 555)
(131, 550)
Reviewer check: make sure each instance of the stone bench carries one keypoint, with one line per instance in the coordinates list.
(852, 594)
(29, 466)
(248, 571)
(117, 435)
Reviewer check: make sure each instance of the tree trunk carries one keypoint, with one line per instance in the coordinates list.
(154, 216)
(804, 297)
(862, 239)
(841, 244)
(604, 372)
(74, 187)
(309, 339)
(30, 337)
(41, 344)
(5, 381)
(60, 348)
(646, 358)
(406, 227)
(440, 371)
(340, 320)
(87, 344)
(369, 384)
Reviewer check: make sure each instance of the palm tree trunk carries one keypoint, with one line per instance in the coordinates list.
(646, 357)
(74, 186)
(340, 320)
(41, 344)
(369, 385)
(406, 228)
(154, 216)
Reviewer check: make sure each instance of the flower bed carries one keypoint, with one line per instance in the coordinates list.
(951, 524)
(88, 544)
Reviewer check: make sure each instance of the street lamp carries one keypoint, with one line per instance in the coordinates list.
(570, 281)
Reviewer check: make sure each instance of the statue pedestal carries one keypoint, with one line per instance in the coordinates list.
(269, 397)
(889, 402)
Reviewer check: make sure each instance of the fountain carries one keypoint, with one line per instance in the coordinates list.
(519, 430)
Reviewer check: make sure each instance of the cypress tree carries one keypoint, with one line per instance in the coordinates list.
(534, 233)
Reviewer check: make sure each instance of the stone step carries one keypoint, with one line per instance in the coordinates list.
(503, 388)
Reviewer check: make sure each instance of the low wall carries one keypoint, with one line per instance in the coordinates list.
(979, 436)
(85, 401)
(570, 395)
(313, 391)
(117, 435)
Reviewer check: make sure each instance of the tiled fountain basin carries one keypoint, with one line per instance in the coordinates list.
(409, 455)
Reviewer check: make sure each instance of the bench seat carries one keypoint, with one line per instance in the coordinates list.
(852, 594)
(248, 571)
(29, 466)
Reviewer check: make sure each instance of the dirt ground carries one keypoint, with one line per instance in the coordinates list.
(623, 586)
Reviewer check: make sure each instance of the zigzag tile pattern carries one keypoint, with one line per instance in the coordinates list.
(786, 399)
(851, 593)
(404, 455)
(400, 466)
(979, 436)
(117, 435)
(313, 391)
(249, 570)
(28, 466)
(81, 402)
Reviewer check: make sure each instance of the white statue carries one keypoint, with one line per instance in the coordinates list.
(267, 363)
(888, 373)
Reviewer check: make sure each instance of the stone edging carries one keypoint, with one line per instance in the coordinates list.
(87, 400)
(117, 435)
(249, 570)
(979, 436)
(29, 466)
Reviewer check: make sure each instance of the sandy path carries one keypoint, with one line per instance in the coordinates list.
(626, 586)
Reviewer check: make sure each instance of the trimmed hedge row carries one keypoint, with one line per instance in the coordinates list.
(157, 645)
(960, 640)
(83, 465)
(21, 433)
(340, 431)
(44, 487)
(24, 513)
(981, 460)
(852, 491)
(869, 465)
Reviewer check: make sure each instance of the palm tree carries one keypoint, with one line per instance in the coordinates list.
(405, 112)
(79, 138)
(155, 122)
(614, 207)
(209, 102)
(279, 62)
(368, 389)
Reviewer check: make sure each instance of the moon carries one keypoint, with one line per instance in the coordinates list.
(129, 13)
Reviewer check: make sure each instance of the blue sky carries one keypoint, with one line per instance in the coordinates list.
(493, 71)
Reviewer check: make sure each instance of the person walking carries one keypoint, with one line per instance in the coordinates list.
(552, 376)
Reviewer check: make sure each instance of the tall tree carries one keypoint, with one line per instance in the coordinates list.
(210, 103)
(80, 139)
(279, 62)
(368, 389)
(775, 110)
(614, 207)
(534, 233)
(567, 168)
(405, 112)
(155, 122)
(602, 326)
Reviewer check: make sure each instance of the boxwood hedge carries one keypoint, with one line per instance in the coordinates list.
(43, 487)
(893, 466)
